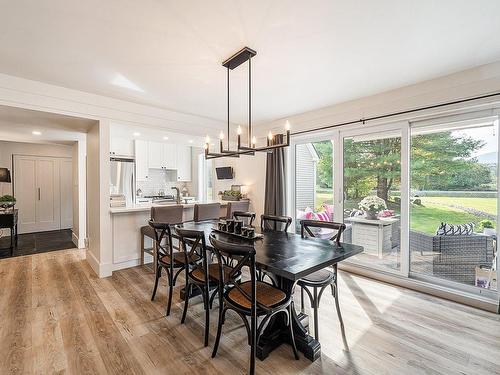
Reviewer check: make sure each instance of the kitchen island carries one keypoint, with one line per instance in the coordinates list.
(126, 223)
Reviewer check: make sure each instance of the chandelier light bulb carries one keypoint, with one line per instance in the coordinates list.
(207, 139)
(270, 135)
(221, 136)
(254, 140)
(239, 130)
(287, 125)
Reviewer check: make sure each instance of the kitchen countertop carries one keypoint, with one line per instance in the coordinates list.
(143, 207)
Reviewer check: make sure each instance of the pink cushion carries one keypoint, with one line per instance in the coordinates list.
(323, 216)
(311, 216)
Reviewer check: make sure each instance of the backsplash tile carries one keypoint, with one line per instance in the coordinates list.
(162, 180)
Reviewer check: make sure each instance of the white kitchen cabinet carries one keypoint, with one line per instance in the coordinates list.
(170, 156)
(141, 160)
(156, 158)
(183, 163)
(121, 146)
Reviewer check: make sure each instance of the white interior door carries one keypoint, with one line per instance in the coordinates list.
(48, 194)
(25, 191)
(66, 183)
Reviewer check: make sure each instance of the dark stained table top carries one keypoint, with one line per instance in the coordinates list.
(286, 254)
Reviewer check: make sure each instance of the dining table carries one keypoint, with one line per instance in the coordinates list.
(288, 257)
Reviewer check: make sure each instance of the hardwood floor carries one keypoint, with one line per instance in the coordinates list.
(57, 317)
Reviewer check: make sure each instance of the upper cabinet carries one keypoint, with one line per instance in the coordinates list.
(121, 146)
(159, 155)
(183, 163)
(141, 160)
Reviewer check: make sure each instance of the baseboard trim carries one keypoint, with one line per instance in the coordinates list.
(101, 270)
(74, 239)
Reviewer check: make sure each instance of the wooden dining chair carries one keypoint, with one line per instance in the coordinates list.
(249, 299)
(168, 259)
(192, 244)
(232, 207)
(271, 222)
(206, 211)
(247, 217)
(321, 279)
(163, 214)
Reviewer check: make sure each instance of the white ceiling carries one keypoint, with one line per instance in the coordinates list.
(17, 125)
(310, 53)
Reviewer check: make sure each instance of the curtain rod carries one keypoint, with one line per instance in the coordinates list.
(363, 120)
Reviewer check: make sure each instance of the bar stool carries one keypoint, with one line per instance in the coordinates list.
(159, 214)
(321, 279)
(206, 211)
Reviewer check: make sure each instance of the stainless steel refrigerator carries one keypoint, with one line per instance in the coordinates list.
(122, 179)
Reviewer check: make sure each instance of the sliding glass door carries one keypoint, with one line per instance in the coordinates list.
(313, 181)
(420, 197)
(372, 197)
(453, 203)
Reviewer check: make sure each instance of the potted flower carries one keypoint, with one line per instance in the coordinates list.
(7, 201)
(488, 227)
(371, 205)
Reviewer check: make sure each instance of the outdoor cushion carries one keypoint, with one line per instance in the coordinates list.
(446, 229)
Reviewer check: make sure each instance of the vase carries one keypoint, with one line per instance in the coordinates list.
(371, 215)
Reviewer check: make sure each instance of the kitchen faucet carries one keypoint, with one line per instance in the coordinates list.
(178, 197)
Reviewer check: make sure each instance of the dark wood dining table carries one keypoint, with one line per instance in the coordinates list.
(289, 257)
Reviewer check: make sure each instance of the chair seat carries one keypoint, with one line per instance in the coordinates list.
(179, 259)
(148, 231)
(213, 272)
(267, 295)
(320, 277)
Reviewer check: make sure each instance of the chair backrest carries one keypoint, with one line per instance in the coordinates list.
(245, 257)
(248, 217)
(271, 222)
(167, 214)
(236, 206)
(192, 242)
(163, 238)
(206, 211)
(337, 228)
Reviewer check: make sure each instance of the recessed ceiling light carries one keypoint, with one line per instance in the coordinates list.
(36, 132)
(137, 134)
(165, 138)
(190, 141)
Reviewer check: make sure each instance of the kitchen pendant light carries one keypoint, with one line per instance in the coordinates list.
(233, 62)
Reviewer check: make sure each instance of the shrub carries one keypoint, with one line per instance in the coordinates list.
(7, 198)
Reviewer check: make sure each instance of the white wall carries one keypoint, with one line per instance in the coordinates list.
(99, 250)
(249, 171)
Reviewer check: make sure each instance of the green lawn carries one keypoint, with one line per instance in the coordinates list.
(434, 210)
(488, 205)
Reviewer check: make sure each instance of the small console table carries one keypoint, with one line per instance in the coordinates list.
(8, 219)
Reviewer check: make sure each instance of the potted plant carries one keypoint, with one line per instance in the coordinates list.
(371, 205)
(7, 201)
(488, 227)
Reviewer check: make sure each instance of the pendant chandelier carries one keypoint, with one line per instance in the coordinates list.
(233, 62)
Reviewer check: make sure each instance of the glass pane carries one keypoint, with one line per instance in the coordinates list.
(372, 203)
(313, 181)
(453, 204)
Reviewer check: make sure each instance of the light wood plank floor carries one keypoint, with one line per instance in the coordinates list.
(57, 317)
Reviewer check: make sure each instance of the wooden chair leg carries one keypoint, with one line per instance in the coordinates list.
(207, 313)
(157, 277)
(315, 309)
(253, 348)
(186, 300)
(219, 324)
(170, 291)
(339, 314)
(142, 251)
